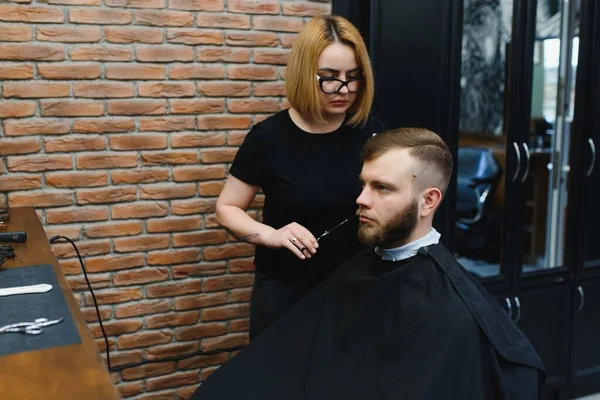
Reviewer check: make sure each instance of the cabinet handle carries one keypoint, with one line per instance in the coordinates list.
(518, 153)
(518, 304)
(581, 298)
(593, 163)
(508, 307)
(526, 148)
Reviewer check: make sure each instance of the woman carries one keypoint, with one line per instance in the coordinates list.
(306, 160)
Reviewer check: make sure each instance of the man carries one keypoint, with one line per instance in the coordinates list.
(402, 320)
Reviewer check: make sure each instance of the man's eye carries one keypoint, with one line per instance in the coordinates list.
(382, 188)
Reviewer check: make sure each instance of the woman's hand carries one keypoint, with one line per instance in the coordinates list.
(294, 237)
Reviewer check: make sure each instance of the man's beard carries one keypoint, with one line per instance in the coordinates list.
(394, 233)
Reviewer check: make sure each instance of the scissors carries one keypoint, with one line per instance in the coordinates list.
(330, 230)
(31, 328)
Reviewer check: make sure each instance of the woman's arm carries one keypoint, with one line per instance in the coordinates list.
(232, 204)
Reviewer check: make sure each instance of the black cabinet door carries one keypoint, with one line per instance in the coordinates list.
(542, 313)
(586, 331)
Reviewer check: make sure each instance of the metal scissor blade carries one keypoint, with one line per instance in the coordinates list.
(332, 229)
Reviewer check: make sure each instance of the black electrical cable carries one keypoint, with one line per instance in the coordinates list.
(131, 365)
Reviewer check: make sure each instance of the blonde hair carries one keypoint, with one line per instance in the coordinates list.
(431, 152)
(301, 85)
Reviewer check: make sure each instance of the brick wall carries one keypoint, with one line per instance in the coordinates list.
(119, 121)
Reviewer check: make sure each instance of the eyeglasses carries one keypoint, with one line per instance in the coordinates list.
(334, 85)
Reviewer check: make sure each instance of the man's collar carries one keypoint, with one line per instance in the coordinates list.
(409, 249)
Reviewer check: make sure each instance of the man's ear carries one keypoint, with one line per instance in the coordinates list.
(430, 200)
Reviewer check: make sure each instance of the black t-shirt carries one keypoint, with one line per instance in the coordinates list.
(310, 179)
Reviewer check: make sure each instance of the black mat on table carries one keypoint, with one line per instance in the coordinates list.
(29, 307)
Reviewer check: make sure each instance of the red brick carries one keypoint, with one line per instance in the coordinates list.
(204, 269)
(39, 163)
(143, 308)
(114, 263)
(103, 125)
(114, 328)
(287, 41)
(197, 5)
(166, 89)
(199, 331)
(36, 126)
(35, 89)
(228, 282)
(186, 71)
(242, 325)
(16, 109)
(68, 34)
(141, 243)
(197, 173)
(106, 160)
(70, 215)
(173, 289)
(99, 16)
(181, 157)
(137, 107)
(254, 6)
(231, 21)
(69, 71)
(173, 380)
(269, 89)
(15, 13)
(173, 224)
(164, 53)
(194, 36)
(164, 18)
(279, 24)
(132, 388)
(203, 361)
(140, 276)
(100, 53)
(14, 182)
(96, 282)
(240, 295)
(305, 9)
(138, 142)
(139, 210)
(197, 139)
(32, 51)
(16, 33)
(73, 2)
(144, 339)
(133, 35)
(252, 72)
(236, 138)
(252, 39)
(76, 179)
(136, 3)
(171, 257)
(140, 176)
(39, 199)
(171, 350)
(224, 89)
(241, 265)
(109, 195)
(217, 122)
(86, 248)
(73, 144)
(71, 231)
(225, 342)
(223, 54)
(193, 206)
(217, 156)
(199, 238)
(197, 106)
(225, 313)
(210, 188)
(89, 313)
(148, 370)
(171, 320)
(16, 71)
(248, 106)
(277, 57)
(228, 251)
(113, 296)
(71, 108)
(167, 124)
(103, 89)
(167, 191)
(114, 228)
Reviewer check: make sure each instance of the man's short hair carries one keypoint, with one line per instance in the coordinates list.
(434, 161)
(301, 86)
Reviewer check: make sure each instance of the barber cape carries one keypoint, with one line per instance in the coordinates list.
(418, 328)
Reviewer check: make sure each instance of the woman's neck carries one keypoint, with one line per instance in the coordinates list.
(330, 124)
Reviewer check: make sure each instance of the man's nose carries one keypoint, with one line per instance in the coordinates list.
(364, 199)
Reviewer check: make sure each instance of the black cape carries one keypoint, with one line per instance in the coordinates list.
(418, 329)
